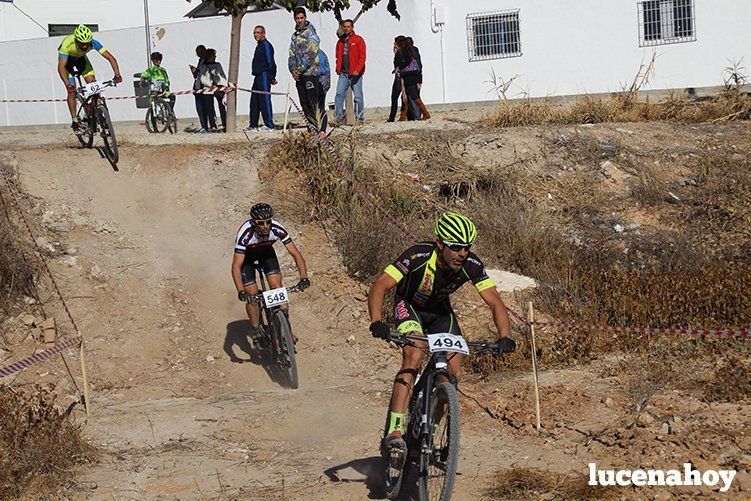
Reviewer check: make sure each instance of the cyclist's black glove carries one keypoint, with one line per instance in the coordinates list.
(380, 330)
(243, 296)
(117, 79)
(506, 345)
(303, 284)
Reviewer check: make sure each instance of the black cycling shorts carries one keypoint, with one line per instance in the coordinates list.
(265, 261)
(409, 319)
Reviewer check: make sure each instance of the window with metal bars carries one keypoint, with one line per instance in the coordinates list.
(666, 21)
(493, 35)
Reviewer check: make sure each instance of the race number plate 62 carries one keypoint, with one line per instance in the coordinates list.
(447, 342)
(93, 88)
(275, 297)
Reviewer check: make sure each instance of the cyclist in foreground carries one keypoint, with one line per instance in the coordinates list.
(425, 275)
(72, 60)
(255, 242)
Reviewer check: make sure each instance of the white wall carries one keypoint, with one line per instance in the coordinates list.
(569, 47)
(577, 46)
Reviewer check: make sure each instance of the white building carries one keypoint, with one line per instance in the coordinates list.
(554, 48)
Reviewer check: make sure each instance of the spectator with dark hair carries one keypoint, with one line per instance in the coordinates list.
(212, 75)
(421, 107)
(409, 71)
(196, 71)
(304, 63)
(396, 87)
(350, 66)
(264, 73)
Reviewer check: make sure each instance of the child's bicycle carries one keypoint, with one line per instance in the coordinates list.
(160, 117)
(93, 115)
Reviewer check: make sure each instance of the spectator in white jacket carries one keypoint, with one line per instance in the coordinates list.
(212, 75)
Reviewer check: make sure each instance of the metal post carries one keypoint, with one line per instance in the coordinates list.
(148, 31)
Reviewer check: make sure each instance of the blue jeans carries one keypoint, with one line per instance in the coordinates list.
(344, 82)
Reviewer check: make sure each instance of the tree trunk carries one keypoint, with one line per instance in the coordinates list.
(234, 69)
(349, 107)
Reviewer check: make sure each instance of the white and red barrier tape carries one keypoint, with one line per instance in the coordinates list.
(208, 90)
(40, 357)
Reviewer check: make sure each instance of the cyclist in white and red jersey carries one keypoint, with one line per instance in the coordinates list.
(254, 249)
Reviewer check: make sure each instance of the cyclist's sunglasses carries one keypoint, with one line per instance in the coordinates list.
(457, 247)
(83, 45)
(262, 222)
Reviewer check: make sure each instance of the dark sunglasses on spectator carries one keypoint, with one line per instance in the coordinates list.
(457, 247)
(262, 222)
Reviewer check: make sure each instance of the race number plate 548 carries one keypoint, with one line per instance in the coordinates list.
(447, 342)
(275, 297)
(93, 88)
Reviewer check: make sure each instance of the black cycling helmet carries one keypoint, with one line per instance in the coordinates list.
(156, 56)
(261, 211)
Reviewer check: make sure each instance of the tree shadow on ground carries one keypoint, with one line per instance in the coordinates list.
(237, 335)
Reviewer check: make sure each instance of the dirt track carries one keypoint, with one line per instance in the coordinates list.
(182, 406)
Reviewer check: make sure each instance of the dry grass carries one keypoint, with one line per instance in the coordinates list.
(531, 483)
(16, 274)
(39, 444)
(692, 278)
(619, 107)
(730, 381)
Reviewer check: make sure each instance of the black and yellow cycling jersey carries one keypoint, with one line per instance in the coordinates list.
(427, 287)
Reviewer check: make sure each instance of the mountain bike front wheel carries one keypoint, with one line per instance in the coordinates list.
(440, 459)
(86, 135)
(286, 355)
(108, 133)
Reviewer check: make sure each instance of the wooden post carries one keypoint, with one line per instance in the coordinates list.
(85, 377)
(286, 106)
(531, 319)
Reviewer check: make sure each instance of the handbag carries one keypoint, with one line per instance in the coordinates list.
(411, 69)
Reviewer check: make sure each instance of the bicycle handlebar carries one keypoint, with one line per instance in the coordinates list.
(481, 347)
(258, 298)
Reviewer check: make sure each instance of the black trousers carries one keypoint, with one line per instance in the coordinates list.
(313, 101)
(396, 93)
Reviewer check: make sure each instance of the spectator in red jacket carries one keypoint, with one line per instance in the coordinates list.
(350, 66)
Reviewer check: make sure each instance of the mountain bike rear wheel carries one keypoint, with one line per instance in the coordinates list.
(108, 133)
(286, 354)
(439, 462)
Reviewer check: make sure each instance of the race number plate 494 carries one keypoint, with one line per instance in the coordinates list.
(93, 88)
(447, 342)
(275, 297)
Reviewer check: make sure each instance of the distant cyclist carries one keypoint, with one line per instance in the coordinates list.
(425, 275)
(158, 74)
(72, 60)
(255, 243)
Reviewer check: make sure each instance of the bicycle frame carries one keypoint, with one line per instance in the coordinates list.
(436, 369)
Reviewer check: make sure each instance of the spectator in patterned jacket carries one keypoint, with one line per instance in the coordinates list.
(304, 64)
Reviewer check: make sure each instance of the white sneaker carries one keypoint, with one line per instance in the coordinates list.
(251, 129)
(266, 129)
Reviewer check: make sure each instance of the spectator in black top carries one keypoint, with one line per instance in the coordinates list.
(264, 71)
(424, 115)
(396, 87)
(196, 71)
(409, 71)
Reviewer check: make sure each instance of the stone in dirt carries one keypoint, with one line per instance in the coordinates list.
(505, 281)
(645, 419)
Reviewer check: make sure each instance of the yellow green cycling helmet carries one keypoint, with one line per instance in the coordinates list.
(453, 228)
(83, 34)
